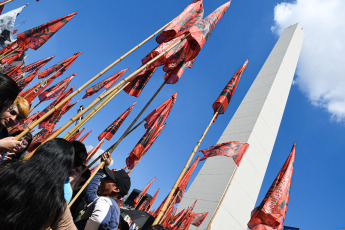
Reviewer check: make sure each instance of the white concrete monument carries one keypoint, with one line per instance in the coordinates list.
(256, 122)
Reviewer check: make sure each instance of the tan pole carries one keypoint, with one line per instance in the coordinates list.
(86, 183)
(8, 54)
(164, 208)
(138, 202)
(3, 3)
(32, 125)
(227, 188)
(35, 106)
(94, 149)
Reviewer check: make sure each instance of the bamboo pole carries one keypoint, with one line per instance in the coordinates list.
(86, 183)
(164, 208)
(138, 202)
(221, 201)
(5, 55)
(114, 89)
(94, 149)
(129, 130)
(3, 3)
(35, 106)
(32, 125)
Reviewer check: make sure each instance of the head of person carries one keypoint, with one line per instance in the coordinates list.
(80, 180)
(9, 90)
(17, 112)
(80, 153)
(25, 141)
(116, 184)
(33, 190)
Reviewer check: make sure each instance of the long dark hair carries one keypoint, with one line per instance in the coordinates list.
(9, 90)
(32, 192)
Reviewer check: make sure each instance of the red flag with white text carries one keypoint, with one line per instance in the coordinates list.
(140, 80)
(56, 90)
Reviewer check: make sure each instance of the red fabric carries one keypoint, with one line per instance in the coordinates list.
(76, 135)
(270, 214)
(37, 64)
(64, 64)
(193, 10)
(92, 152)
(9, 48)
(109, 132)
(233, 149)
(56, 90)
(152, 200)
(140, 80)
(23, 82)
(143, 192)
(85, 136)
(143, 205)
(23, 124)
(36, 37)
(168, 216)
(173, 75)
(39, 138)
(12, 58)
(185, 179)
(229, 90)
(15, 72)
(198, 218)
(107, 83)
(184, 220)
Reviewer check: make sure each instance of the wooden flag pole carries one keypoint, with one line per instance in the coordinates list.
(114, 89)
(94, 149)
(221, 201)
(86, 183)
(35, 106)
(3, 3)
(32, 125)
(8, 54)
(164, 208)
(129, 130)
(138, 202)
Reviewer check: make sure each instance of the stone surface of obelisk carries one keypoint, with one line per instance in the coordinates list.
(256, 122)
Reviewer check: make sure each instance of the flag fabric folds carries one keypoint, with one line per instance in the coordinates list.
(107, 83)
(23, 124)
(109, 132)
(36, 37)
(75, 135)
(198, 218)
(138, 83)
(37, 64)
(143, 193)
(225, 97)
(233, 149)
(92, 152)
(148, 207)
(270, 214)
(85, 136)
(56, 90)
(173, 75)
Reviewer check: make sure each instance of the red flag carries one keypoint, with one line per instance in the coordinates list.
(16, 72)
(38, 139)
(92, 152)
(198, 218)
(233, 149)
(184, 220)
(2, 6)
(85, 136)
(139, 81)
(168, 216)
(270, 214)
(143, 205)
(56, 90)
(12, 58)
(36, 37)
(37, 64)
(65, 64)
(193, 10)
(225, 97)
(23, 124)
(107, 83)
(109, 132)
(75, 136)
(143, 193)
(152, 201)
(173, 75)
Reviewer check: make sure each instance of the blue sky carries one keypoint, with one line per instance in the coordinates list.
(314, 114)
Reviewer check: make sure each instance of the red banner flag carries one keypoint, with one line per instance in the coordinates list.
(39, 138)
(109, 132)
(75, 136)
(37, 64)
(65, 64)
(193, 10)
(152, 201)
(12, 58)
(107, 83)
(138, 83)
(173, 75)
(85, 136)
(92, 152)
(56, 90)
(198, 218)
(233, 149)
(143, 193)
(36, 37)
(270, 214)
(23, 124)
(225, 97)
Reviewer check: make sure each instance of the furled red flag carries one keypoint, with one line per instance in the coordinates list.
(233, 149)
(23, 124)
(193, 10)
(143, 205)
(184, 221)
(109, 132)
(36, 37)
(37, 64)
(168, 216)
(173, 75)
(270, 214)
(107, 83)
(138, 83)
(225, 97)
(16, 72)
(152, 201)
(143, 193)
(64, 64)
(75, 136)
(198, 218)
(56, 90)
(85, 136)
(12, 58)
(54, 103)
(39, 138)
(92, 152)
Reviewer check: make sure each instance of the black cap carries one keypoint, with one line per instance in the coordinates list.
(121, 178)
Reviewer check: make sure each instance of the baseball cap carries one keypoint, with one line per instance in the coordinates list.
(121, 178)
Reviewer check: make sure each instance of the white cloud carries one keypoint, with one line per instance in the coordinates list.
(321, 70)
(98, 153)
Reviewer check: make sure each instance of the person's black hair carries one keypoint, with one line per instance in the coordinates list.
(123, 225)
(86, 175)
(32, 191)
(9, 91)
(80, 153)
(28, 137)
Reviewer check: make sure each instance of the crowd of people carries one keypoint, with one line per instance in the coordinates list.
(34, 194)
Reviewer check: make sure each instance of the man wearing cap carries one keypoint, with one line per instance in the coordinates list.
(103, 211)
